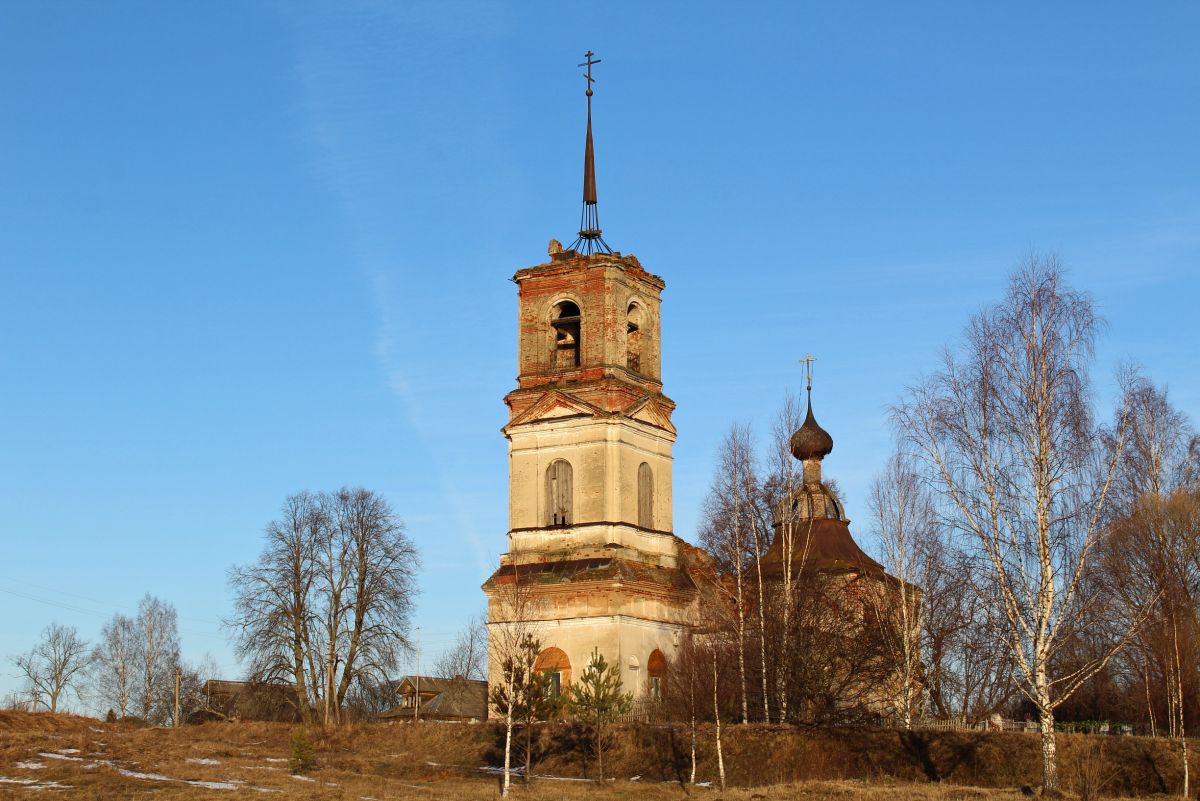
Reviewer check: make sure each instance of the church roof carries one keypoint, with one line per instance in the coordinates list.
(602, 569)
(822, 544)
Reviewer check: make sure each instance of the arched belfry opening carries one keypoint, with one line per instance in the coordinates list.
(633, 338)
(564, 327)
(559, 511)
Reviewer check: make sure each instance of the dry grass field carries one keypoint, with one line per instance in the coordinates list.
(81, 758)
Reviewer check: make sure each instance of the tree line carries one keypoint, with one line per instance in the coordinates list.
(1044, 554)
(324, 611)
(135, 670)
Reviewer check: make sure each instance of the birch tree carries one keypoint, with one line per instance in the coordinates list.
(113, 664)
(157, 653)
(904, 519)
(781, 484)
(509, 634)
(725, 533)
(1006, 432)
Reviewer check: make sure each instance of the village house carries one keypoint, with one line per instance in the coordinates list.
(434, 698)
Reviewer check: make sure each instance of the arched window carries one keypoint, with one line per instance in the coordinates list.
(633, 338)
(564, 325)
(558, 493)
(645, 496)
(656, 674)
(554, 663)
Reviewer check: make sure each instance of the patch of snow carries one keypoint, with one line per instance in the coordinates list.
(274, 759)
(154, 777)
(34, 784)
(31, 766)
(203, 761)
(330, 784)
(52, 755)
(68, 751)
(216, 785)
(265, 790)
(300, 778)
(93, 728)
(635, 778)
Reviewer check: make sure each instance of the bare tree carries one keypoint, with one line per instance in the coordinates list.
(114, 664)
(1005, 429)
(714, 648)
(383, 568)
(1151, 542)
(968, 672)
(468, 657)
(1160, 451)
(509, 635)
(157, 654)
(328, 603)
(274, 601)
(688, 674)
(54, 667)
(905, 524)
(725, 533)
(780, 485)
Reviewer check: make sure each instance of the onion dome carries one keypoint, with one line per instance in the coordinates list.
(810, 440)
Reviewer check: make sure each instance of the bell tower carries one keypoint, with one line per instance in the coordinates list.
(590, 545)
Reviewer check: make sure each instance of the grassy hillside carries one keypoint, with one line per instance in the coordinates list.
(74, 757)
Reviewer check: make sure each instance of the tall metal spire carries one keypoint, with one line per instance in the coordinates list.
(590, 236)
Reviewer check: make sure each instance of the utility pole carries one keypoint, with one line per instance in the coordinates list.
(417, 700)
(178, 678)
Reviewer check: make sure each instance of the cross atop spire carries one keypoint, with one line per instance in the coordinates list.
(590, 236)
(807, 361)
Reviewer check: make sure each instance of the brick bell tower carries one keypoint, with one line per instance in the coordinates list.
(592, 563)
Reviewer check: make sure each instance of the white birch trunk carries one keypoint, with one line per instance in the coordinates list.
(784, 638)
(717, 717)
(508, 730)
(692, 709)
(1178, 690)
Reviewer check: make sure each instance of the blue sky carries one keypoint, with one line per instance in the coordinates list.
(253, 248)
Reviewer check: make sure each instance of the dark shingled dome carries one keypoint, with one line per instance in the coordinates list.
(811, 441)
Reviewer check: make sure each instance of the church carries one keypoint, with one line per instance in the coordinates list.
(593, 564)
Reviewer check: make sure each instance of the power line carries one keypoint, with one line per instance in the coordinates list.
(111, 604)
(98, 613)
